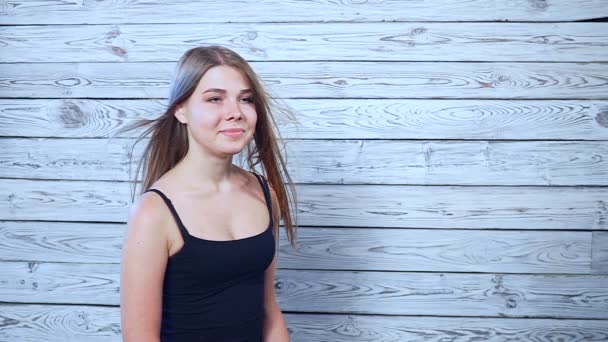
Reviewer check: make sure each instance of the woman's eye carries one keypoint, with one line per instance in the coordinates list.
(248, 100)
(213, 99)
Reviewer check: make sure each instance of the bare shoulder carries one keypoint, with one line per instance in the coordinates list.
(148, 208)
(273, 194)
(148, 219)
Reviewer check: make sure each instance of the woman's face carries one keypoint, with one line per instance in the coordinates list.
(220, 114)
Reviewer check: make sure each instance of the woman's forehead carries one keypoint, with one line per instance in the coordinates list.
(224, 77)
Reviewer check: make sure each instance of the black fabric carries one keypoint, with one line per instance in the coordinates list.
(214, 290)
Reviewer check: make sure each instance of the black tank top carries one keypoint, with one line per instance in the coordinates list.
(214, 290)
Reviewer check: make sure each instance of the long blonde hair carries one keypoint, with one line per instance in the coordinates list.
(169, 139)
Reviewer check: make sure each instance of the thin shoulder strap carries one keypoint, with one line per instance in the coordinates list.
(178, 220)
(267, 196)
(266, 189)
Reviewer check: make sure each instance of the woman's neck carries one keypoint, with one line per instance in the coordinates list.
(202, 171)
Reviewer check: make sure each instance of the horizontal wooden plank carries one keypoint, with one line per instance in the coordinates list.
(62, 242)
(445, 162)
(334, 118)
(444, 294)
(341, 162)
(564, 42)
(599, 253)
(185, 11)
(454, 294)
(60, 323)
(342, 205)
(337, 248)
(321, 80)
(447, 251)
(337, 328)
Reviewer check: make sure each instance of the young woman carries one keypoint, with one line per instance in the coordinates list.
(199, 255)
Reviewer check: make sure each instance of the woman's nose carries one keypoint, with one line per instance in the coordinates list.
(233, 111)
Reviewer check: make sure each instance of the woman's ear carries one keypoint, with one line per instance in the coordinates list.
(180, 114)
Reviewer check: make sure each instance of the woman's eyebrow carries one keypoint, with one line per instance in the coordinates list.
(223, 91)
(214, 90)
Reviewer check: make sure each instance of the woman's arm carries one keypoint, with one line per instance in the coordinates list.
(144, 259)
(275, 329)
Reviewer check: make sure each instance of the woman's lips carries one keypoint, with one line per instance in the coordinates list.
(233, 132)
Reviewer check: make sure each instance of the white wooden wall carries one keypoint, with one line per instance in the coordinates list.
(451, 161)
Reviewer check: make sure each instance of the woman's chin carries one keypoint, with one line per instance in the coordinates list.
(232, 149)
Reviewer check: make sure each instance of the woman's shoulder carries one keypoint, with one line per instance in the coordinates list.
(271, 190)
(147, 213)
(250, 177)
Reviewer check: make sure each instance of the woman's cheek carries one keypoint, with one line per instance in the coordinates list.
(252, 116)
(210, 120)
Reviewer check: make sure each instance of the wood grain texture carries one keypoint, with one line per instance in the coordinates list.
(577, 296)
(439, 251)
(73, 283)
(334, 118)
(349, 248)
(61, 242)
(370, 328)
(59, 323)
(185, 11)
(599, 253)
(457, 294)
(322, 80)
(75, 323)
(343, 205)
(451, 161)
(340, 161)
(565, 42)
